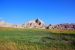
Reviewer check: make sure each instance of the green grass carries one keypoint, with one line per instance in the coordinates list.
(36, 39)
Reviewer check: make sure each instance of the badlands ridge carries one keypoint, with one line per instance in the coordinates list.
(38, 24)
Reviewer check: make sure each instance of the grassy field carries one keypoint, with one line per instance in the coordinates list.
(36, 39)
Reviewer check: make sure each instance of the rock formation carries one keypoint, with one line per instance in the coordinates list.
(62, 26)
(38, 24)
(35, 24)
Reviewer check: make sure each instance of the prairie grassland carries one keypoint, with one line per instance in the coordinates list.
(36, 39)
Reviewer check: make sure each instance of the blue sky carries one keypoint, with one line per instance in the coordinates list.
(50, 11)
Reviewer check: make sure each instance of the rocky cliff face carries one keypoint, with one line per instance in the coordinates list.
(35, 24)
(62, 26)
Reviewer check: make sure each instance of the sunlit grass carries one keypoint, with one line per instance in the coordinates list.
(36, 39)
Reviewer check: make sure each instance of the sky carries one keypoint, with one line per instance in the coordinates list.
(49, 11)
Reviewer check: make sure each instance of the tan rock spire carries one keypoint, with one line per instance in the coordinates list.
(35, 24)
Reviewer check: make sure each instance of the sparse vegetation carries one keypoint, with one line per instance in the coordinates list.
(36, 39)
